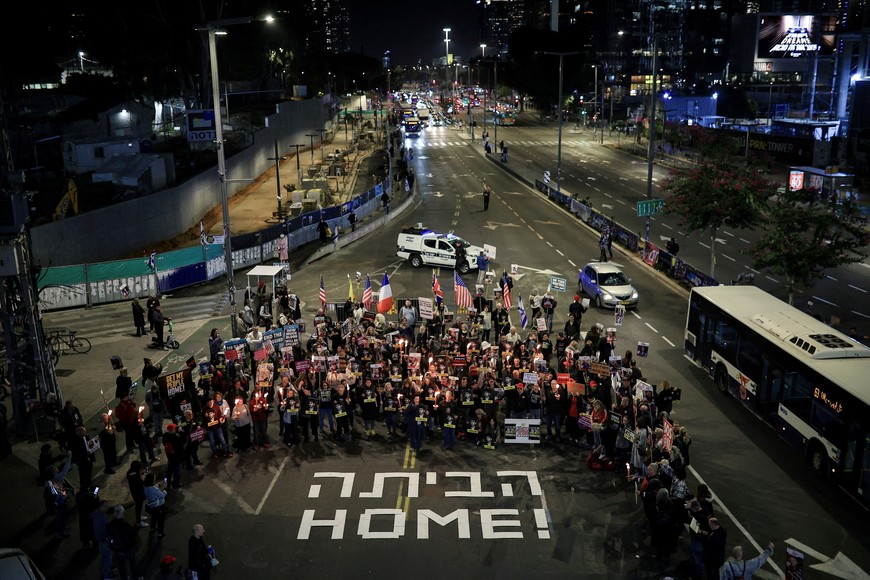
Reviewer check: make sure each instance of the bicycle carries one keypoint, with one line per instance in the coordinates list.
(63, 339)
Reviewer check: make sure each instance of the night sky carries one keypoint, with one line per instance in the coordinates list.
(414, 30)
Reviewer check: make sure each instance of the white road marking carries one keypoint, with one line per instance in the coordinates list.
(831, 278)
(559, 252)
(549, 244)
(651, 327)
(667, 226)
(807, 550)
(858, 289)
(825, 301)
(753, 270)
(271, 485)
(865, 265)
(664, 338)
(745, 241)
(729, 257)
(636, 315)
(727, 233)
(705, 245)
(859, 313)
(236, 497)
(743, 530)
(774, 280)
(572, 263)
(622, 202)
(608, 195)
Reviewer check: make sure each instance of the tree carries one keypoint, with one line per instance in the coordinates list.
(803, 237)
(716, 194)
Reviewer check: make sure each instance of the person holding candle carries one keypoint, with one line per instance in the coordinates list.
(242, 420)
(259, 408)
(143, 438)
(213, 417)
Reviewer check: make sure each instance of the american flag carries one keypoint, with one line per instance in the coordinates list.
(524, 320)
(463, 296)
(505, 291)
(367, 294)
(322, 293)
(436, 289)
(201, 234)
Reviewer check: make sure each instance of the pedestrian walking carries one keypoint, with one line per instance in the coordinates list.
(151, 304)
(282, 245)
(137, 490)
(482, 267)
(602, 248)
(504, 154)
(56, 491)
(155, 504)
(487, 193)
(158, 321)
(139, 318)
(351, 218)
(198, 556)
(122, 542)
(385, 199)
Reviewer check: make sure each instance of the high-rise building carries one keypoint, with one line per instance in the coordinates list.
(500, 18)
(330, 26)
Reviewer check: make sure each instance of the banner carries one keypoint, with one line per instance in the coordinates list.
(651, 254)
(291, 335)
(176, 390)
(667, 435)
(522, 431)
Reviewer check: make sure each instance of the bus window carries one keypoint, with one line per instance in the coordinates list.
(749, 358)
(828, 423)
(725, 340)
(798, 395)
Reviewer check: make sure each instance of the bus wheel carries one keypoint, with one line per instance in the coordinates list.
(722, 380)
(818, 458)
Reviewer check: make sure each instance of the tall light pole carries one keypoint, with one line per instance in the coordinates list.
(652, 132)
(298, 163)
(321, 131)
(447, 58)
(559, 148)
(277, 159)
(482, 51)
(312, 136)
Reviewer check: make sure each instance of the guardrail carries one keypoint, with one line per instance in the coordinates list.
(651, 254)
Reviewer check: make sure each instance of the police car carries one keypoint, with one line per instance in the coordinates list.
(423, 247)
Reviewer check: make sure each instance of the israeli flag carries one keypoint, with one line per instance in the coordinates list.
(152, 261)
(524, 320)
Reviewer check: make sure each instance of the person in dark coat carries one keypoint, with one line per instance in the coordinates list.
(138, 318)
(159, 320)
(151, 305)
(198, 558)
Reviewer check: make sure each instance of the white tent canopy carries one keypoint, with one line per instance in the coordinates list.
(272, 272)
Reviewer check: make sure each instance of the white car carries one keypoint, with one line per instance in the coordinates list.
(423, 247)
(607, 285)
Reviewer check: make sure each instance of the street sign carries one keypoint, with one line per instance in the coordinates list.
(649, 207)
(558, 283)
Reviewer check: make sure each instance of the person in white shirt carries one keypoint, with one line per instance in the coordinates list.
(255, 339)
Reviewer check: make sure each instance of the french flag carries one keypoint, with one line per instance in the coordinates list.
(385, 296)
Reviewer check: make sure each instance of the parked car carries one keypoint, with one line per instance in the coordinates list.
(16, 565)
(607, 285)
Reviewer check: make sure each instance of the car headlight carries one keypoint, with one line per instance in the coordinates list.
(606, 296)
(634, 295)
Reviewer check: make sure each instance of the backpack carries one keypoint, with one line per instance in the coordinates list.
(115, 536)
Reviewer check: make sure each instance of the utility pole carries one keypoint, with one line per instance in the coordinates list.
(312, 136)
(322, 131)
(559, 148)
(651, 153)
(277, 161)
(298, 163)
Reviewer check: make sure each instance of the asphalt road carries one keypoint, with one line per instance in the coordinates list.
(303, 511)
(615, 181)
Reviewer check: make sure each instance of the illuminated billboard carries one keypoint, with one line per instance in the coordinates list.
(792, 36)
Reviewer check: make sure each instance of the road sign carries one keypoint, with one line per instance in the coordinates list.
(558, 283)
(649, 207)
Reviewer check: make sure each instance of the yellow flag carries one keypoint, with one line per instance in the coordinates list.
(350, 289)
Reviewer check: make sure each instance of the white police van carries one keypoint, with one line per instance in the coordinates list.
(423, 247)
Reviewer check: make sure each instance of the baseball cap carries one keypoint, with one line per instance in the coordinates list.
(169, 559)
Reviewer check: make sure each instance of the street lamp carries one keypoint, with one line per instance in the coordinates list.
(321, 131)
(312, 136)
(277, 161)
(482, 51)
(298, 163)
(447, 57)
(559, 148)
(214, 29)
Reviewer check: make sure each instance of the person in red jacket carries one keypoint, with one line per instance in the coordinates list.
(127, 418)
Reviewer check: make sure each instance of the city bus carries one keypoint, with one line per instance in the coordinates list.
(505, 118)
(809, 381)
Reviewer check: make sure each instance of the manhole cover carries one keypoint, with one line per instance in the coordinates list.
(63, 372)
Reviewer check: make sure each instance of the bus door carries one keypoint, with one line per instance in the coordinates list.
(770, 390)
(858, 473)
(699, 334)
